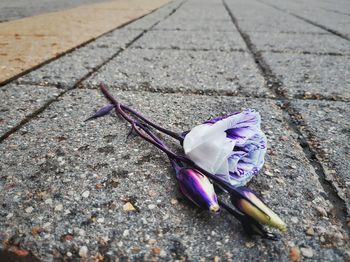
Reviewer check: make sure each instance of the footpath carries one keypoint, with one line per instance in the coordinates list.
(73, 190)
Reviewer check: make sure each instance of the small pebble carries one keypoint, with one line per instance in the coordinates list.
(294, 220)
(29, 210)
(48, 201)
(156, 250)
(125, 233)
(310, 231)
(152, 193)
(294, 254)
(249, 244)
(85, 194)
(174, 201)
(100, 220)
(307, 252)
(268, 173)
(152, 206)
(59, 207)
(83, 251)
(128, 207)
(152, 241)
(321, 211)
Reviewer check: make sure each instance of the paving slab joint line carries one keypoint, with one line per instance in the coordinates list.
(334, 32)
(306, 53)
(274, 84)
(291, 115)
(3, 83)
(37, 112)
(335, 11)
(171, 90)
(240, 50)
(212, 92)
(31, 116)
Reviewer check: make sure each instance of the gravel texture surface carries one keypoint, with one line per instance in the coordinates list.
(256, 16)
(69, 186)
(223, 41)
(301, 43)
(308, 76)
(178, 70)
(336, 21)
(326, 126)
(73, 190)
(20, 101)
(66, 71)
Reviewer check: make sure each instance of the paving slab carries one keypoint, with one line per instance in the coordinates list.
(21, 101)
(64, 184)
(258, 17)
(224, 41)
(184, 71)
(327, 128)
(66, 71)
(149, 20)
(300, 43)
(191, 9)
(311, 75)
(191, 18)
(186, 23)
(334, 21)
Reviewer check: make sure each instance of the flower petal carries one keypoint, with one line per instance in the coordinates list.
(208, 146)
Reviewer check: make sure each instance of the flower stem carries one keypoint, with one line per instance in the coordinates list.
(138, 115)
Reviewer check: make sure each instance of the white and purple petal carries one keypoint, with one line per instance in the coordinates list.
(232, 147)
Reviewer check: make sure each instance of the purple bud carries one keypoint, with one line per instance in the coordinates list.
(102, 112)
(197, 187)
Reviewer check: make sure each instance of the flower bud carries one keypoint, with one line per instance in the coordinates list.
(252, 206)
(197, 187)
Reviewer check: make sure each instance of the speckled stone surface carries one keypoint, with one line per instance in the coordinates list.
(300, 43)
(326, 126)
(331, 15)
(20, 101)
(179, 70)
(67, 183)
(218, 40)
(66, 71)
(258, 17)
(85, 191)
(312, 76)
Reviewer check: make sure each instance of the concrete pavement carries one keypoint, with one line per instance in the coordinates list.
(64, 183)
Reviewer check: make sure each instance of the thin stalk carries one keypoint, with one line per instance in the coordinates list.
(138, 115)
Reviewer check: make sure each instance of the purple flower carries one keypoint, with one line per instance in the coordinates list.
(197, 188)
(232, 147)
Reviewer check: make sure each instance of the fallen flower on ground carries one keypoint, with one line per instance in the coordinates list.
(241, 156)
